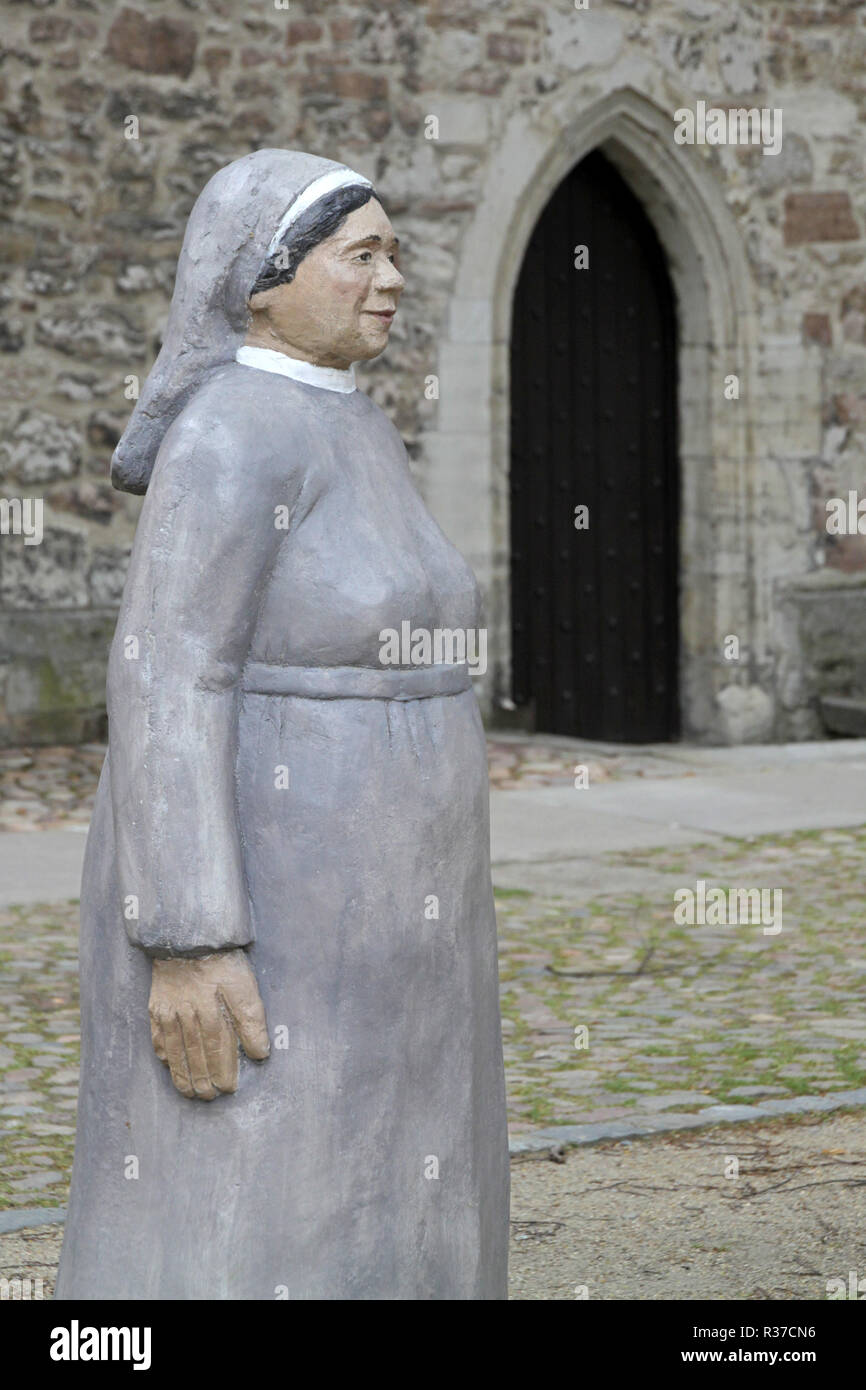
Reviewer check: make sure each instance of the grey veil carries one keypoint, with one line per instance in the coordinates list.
(227, 238)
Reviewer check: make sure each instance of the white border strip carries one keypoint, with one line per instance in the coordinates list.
(319, 188)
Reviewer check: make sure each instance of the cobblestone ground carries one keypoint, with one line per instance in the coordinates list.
(681, 1017)
(38, 1053)
(516, 764)
(48, 788)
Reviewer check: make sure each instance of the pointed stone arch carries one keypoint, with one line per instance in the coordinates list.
(467, 484)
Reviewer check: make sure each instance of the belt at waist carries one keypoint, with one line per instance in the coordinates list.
(357, 682)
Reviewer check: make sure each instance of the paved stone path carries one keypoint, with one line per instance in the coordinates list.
(47, 788)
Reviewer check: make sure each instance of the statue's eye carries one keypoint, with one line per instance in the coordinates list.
(365, 256)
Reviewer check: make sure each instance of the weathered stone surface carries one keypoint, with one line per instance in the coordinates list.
(853, 314)
(40, 449)
(792, 165)
(581, 40)
(747, 714)
(854, 326)
(104, 430)
(832, 630)
(844, 715)
(107, 574)
(507, 48)
(344, 29)
(97, 332)
(303, 31)
(152, 45)
(94, 221)
(48, 28)
(819, 217)
(216, 60)
(817, 329)
(91, 500)
(52, 675)
(353, 86)
(48, 575)
(177, 105)
(850, 409)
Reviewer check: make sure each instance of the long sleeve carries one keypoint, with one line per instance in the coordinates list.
(203, 552)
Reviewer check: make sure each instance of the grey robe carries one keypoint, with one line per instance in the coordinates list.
(367, 1157)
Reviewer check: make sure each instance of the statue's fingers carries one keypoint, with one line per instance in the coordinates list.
(196, 1055)
(156, 1037)
(247, 1013)
(221, 1045)
(175, 1055)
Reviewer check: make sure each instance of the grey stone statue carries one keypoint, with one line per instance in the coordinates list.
(286, 906)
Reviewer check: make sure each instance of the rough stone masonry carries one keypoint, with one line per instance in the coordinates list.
(115, 115)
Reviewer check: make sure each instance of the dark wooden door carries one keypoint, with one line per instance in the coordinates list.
(593, 423)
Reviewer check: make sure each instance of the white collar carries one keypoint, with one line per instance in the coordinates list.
(267, 360)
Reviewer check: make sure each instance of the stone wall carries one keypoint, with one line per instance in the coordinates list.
(457, 111)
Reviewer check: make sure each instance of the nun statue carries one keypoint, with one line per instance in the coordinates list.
(292, 1082)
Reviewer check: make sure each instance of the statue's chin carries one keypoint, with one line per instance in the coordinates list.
(365, 352)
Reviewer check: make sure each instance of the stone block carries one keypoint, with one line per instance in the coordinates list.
(817, 329)
(506, 48)
(844, 714)
(304, 31)
(51, 573)
(793, 164)
(92, 332)
(470, 320)
(359, 86)
(832, 634)
(460, 407)
(819, 217)
(745, 714)
(52, 675)
(160, 45)
(582, 38)
(463, 120)
(456, 489)
(40, 449)
(215, 59)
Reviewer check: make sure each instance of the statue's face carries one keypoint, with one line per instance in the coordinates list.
(339, 307)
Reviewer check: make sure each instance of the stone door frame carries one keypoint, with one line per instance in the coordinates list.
(468, 453)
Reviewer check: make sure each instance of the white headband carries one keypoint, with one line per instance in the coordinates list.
(319, 188)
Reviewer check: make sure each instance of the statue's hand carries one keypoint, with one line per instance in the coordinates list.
(198, 1009)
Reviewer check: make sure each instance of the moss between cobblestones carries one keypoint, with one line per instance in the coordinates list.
(38, 1052)
(696, 1013)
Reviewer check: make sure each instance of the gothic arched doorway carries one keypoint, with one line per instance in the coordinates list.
(595, 610)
